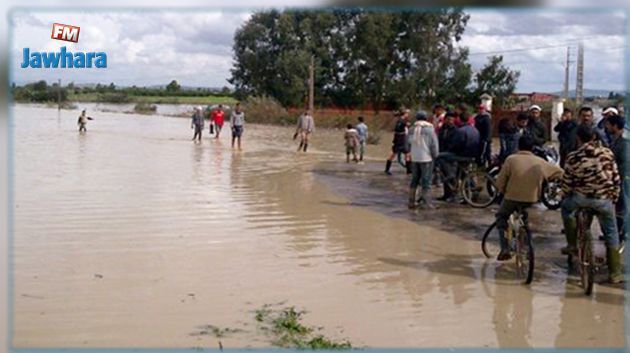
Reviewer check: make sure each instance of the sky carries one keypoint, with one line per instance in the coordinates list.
(147, 48)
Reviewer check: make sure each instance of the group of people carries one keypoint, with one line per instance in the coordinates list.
(592, 157)
(216, 120)
(441, 140)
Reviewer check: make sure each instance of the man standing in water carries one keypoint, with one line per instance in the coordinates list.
(399, 143)
(197, 123)
(218, 117)
(424, 150)
(305, 127)
(237, 120)
(362, 129)
(82, 121)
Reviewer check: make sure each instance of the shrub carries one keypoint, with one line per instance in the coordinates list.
(266, 110)
(145, 108)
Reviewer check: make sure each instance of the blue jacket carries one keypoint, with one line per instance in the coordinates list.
(467, 142)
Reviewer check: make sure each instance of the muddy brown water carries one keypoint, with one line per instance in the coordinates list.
(132, 236)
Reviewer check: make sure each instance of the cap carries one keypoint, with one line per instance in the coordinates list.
(421, 115)
(610, 110)
(198, 107)
(534, 107)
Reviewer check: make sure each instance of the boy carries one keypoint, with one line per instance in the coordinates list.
(362, 129)
(237, 121)
(218, 117)
(352, 142)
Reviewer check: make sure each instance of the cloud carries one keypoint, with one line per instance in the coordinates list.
(195, 47)
(143, 48)
(546, 34)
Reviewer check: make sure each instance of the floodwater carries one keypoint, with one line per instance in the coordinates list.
(132, 236)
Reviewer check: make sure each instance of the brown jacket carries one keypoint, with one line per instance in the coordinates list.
(522, 174)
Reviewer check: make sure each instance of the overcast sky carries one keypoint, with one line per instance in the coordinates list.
(152, 48)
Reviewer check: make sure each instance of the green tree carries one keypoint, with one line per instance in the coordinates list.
(173, 87)
(497, 80)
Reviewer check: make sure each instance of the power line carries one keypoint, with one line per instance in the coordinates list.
(573, 41)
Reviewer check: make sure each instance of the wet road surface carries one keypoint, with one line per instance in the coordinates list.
(133, 236)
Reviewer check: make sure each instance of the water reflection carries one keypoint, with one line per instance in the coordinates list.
(159, 218)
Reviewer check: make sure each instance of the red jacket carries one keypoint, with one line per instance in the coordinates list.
(218, 117)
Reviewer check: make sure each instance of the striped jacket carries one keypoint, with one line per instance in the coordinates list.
(591, 171)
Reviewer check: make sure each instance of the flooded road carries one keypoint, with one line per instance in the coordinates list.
(133, 236)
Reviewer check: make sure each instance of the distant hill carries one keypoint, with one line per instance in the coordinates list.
(589, 93)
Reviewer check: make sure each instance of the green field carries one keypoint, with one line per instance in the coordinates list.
(94, 97)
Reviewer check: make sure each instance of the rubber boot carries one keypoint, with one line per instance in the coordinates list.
(408, 166)
(305, 146)
(412, 198)
(615, 271)
(504, 254)
(428, 203)
(388, 166)
(570, 233)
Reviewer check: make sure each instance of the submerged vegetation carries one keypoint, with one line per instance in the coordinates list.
(286, 329)
(283, 327)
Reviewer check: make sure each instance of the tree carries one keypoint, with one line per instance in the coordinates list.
(173, 86)
(362, 58)
(40, 85)
(497, 80)
(225, 91)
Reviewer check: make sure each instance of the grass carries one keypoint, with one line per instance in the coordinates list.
(286, 330)
(207, 100)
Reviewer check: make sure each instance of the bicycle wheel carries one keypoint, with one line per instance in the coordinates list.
(524, 256)
(490, 245)
(479, 190)
(586, 257)
(551, 196)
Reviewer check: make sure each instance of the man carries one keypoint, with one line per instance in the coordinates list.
(197, 123)
(439, 111)
(305, 127)
(520, 181)
(601, 125)
(362, 129)
(466, 145)
(424, 149)
(237, 121)
(585, 115)
(508, 138)
(399, 143)
(591, 180)
(615, 126)
(522, 120)
(535, 126)
(566, 128)
(82, 121)
(218, 117)
(462, 115)
(447, 132)
(483, 124)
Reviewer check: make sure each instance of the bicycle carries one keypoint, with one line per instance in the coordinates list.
(587, 266)
(520, 243)
(478, 186)
(471, 183)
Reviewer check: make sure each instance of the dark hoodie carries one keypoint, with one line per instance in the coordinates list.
(567, 137)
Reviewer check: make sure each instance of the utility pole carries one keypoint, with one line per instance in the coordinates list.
(566, 75)
(311, 85)
(579, 86)
(59, 94)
